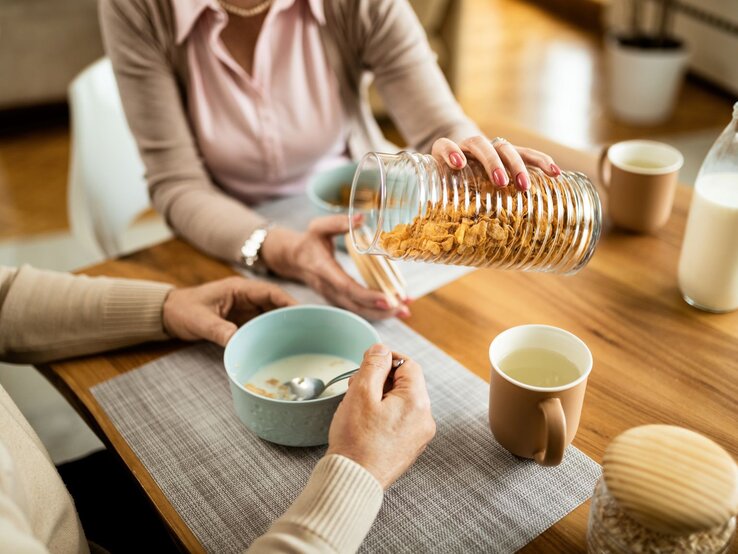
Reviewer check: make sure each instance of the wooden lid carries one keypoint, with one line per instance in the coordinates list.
(670, 479)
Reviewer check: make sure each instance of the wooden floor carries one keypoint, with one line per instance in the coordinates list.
(515, 62)
(520, 63)
(33, 182)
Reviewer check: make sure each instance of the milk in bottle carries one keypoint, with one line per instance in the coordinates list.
(708, 266)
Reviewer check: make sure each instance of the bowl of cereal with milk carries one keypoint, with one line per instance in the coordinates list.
(299, 341)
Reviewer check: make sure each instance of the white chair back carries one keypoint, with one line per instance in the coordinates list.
(107, 187)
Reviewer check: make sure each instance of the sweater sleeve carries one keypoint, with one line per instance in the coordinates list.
(16, 533)
(46, 315)
(393, 45)
(180, 187)
(333, 514)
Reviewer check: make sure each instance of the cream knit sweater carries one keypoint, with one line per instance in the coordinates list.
(45, 316)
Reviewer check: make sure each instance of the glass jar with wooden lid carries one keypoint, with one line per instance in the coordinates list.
(664, 489)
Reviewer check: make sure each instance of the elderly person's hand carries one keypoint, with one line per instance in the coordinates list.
(383, 430)
(215, 310)
(497, 157)
(309, 257)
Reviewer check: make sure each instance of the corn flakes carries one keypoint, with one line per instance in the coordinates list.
(487, 227)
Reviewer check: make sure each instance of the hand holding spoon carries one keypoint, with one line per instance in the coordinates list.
(308, 388)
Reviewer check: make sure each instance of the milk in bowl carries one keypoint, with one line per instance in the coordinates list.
(271, 380)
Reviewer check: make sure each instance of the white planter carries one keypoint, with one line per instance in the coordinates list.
(644, 83)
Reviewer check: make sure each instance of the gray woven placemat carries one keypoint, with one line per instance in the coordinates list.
(464, 494)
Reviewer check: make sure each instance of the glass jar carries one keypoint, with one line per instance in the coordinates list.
(708, 265)
(664, 489)
(612, 531)
(416, 208)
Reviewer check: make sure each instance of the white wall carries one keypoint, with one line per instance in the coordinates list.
(714, 52)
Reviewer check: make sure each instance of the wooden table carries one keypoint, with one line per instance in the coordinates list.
(656, 358)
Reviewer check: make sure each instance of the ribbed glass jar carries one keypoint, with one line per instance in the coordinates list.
(416, 208)
(612, 531)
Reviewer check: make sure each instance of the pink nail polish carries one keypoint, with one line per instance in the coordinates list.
(500, 177)
(555, 170)
(522, 180)
(456, 159)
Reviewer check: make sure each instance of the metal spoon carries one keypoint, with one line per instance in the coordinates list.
(307, 388)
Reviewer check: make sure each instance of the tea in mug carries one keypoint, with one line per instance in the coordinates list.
(644, 164)
(539, 367)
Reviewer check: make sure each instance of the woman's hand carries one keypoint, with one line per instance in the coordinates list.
(498, 159)
(308, 257)
(215, 310)
(383, 431)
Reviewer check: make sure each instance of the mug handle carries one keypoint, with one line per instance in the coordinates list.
(601, 166)
(555, 431)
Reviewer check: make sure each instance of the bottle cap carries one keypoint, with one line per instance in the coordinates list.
(670, 479)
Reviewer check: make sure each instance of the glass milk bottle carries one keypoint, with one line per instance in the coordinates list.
(708, 267)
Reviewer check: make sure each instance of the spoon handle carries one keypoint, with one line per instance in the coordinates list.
(395, 364)
(341, 377)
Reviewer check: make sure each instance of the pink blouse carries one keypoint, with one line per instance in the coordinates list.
(263, 135)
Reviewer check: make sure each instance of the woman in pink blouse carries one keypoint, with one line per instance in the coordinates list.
(236, 102)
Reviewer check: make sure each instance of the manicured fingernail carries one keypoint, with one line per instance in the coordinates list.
(456, 159)
(404, 313)
(555, 170)
(500, 177)
(382, 304)
(379, 349)
(358, 218)
(522, 180)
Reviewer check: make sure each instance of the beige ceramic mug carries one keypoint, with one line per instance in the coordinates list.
(531, 421)
(640, 177)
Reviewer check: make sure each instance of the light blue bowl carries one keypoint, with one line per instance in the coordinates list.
(288, 332)
(324, 192)
(324, 189)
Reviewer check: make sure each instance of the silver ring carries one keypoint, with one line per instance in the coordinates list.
(500, 140)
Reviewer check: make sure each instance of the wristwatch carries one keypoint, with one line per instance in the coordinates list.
(250, 258)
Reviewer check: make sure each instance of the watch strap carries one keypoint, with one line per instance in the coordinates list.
(251, 249)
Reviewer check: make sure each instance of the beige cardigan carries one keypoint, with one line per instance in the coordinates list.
(361, 38)
(44, 316)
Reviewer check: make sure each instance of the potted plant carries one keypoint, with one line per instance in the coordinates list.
(646, 63)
